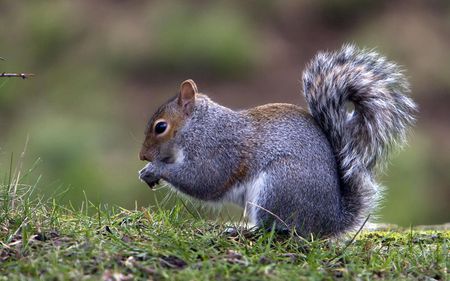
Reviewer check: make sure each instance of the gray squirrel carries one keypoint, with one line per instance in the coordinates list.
(309, 171)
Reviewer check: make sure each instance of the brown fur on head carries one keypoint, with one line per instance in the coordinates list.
(165, 123)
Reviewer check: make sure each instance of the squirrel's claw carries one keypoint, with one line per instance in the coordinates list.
(152, 184)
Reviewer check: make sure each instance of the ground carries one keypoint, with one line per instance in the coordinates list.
(52, 242)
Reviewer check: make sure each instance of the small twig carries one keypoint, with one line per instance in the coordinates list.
(352, 240)
(269, 212)
(19, 75)
(278, 218)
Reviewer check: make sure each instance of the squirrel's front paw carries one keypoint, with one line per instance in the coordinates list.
(146, 175)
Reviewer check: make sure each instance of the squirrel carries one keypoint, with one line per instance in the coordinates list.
(309, 171)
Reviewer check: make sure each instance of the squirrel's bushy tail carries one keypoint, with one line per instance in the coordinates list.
(362, 137)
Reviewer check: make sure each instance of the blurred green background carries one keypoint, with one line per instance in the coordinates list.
(103, 66)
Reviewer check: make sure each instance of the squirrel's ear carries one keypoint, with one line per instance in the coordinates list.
(186, 99)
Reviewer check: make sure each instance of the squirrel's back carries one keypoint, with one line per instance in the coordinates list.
(282, 129)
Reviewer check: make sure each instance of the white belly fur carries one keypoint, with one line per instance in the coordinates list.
(246, 194)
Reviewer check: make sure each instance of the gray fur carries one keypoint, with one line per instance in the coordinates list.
(318, 168)
(361, 140)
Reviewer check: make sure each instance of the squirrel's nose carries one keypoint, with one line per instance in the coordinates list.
(146, 155)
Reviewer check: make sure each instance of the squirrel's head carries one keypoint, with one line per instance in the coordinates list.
(166, 122)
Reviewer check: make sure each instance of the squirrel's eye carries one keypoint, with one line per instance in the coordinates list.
(160, 127)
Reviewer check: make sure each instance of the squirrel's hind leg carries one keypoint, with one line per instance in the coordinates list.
(297, 196)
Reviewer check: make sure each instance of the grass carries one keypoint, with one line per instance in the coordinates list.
(40, 239)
